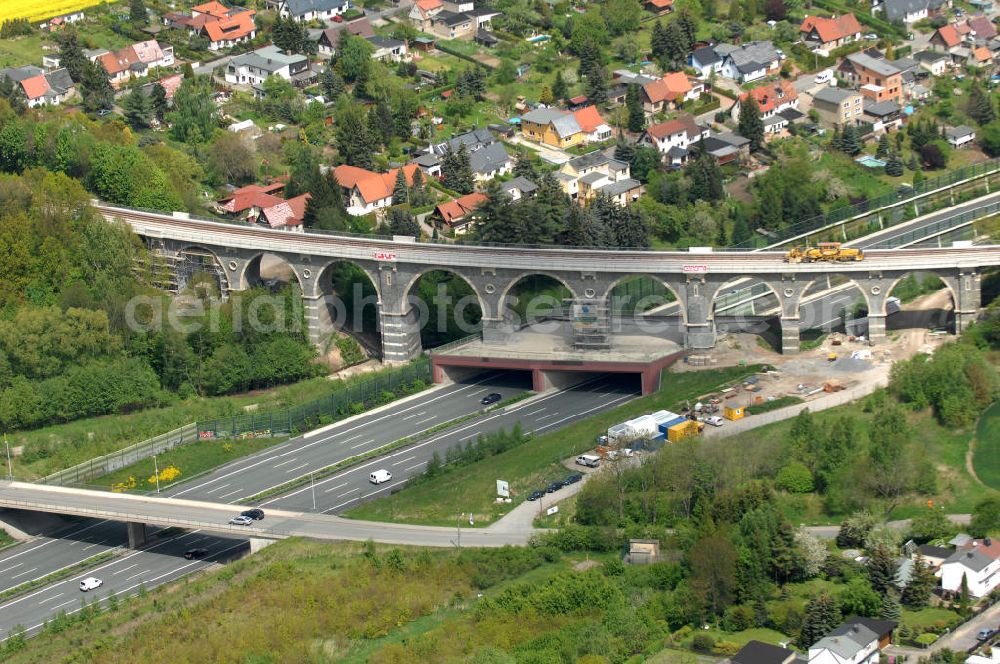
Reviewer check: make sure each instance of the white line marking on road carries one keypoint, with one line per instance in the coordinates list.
(426, 419)
(334, 488)
(347, 502)
(535, 412)
(347, 440)
(285, 463)
(13, 566)
(292, 470)
(409, 458)
(418, 465)
(367, 442)
(63, 604)
(545, 417)
(126, 569)
(49, 599)
(145, 571)
(218, 488)
(94, 544)
(627, 397)
(231, 493)
(23, 573)
(410, 417)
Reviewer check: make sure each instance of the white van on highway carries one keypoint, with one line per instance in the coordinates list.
(380, 476)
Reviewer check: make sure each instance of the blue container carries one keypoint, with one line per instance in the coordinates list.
(667, 425)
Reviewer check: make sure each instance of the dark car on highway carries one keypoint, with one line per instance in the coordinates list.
(535, 495)
(491, 398)
(572, 479)
(256, 514)
(555, 486)
(191, 554)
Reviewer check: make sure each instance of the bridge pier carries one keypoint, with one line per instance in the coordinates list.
(789, 335)
(318, 324)
(136, 534)
(967, 291)
(876, 327)
(699, 327)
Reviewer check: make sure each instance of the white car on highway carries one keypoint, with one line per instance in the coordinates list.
(90, 583)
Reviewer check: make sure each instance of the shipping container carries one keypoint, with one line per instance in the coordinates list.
(685, 429)
(665, 427)
(642, 427)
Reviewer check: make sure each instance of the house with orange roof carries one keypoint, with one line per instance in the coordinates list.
(946, 37)
(423, 11)
(458, 213)
(981, 57)
(248, 203)
(592, 124)
(772, 99)
(135, 61)
(366, 192)
(673, 138)
(41, 88)
(829, 33)
(659, 6)
(672, 89)
(227, 32)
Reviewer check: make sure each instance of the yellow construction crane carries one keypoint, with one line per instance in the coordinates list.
(830, 252)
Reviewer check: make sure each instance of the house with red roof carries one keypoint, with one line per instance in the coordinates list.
(458, 213)
(228, 32)
(41, 88)
(592, 124)
(135, 61)
(288, 214)
(772, 99)
(423, 11)
(366, 192)
(673, 138)
(659, 6)
(264, 204)
(946, 37)
(670, 90)
(829, 33)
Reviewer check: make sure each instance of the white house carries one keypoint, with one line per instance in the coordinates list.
(977, 567)
(253, 68)
(851, 643)
(907, 11)
(960, 135)
(308, 10)
(673, 137)
(366, 192)
(706, 61)
(749, 62)
(387, 49)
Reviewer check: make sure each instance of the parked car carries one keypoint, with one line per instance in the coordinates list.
(714, 420)
(192, 554)
(985, 633)
(535, 495)
(241, 520)
(555, 486)
(871, 36)
(90, 583)
(588, 460)
(256, 514)
(572, 479)
(491, 398)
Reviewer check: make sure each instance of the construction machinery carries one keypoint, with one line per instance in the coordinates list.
(829, 252)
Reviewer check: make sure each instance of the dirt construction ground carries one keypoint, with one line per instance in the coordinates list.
(914, 329)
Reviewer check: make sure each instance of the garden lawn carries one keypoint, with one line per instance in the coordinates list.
(986, 461)
(191, 460)
(20, 50)
(741, 638)
(928, 617)
(472, 487)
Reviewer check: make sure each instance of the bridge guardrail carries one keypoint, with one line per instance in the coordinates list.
(938, 227)
(102, 465)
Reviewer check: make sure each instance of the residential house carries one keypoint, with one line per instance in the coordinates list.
(726, 147)
(884, 116)
(946, 37)
(366, 192)
(839, 107)
(673, 138)
(459, 6)
(772, 99)
(980, 57)
(553, 126)
(288, 214)
(749, 62)
(228, 32)
(706, 61)
(518, 188)
(977, 564)
(659, 6)
(830, 33)
(423, 11)
(248, 203)
(488, 158)
(878, 79)
(61, 21)
(41, 88)
(328, 39)
(907, 11)
(133, 61)
(932, 61)
(309, 10)
(673, 89)
(981, 28)
(387, 49)
(934, 555)
(461, 25)
(458, 213)
(593, 126)
(253, 68)
(758, 652)
(850, 643)
(960, 135)
(883, 629)
(584, 178)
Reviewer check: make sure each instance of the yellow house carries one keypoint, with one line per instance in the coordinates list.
(733, 411)
(552, 127)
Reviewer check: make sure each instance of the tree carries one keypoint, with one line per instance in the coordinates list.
(741, 232)
(353, 58)
(546, 97)
(71, 54)
(713, 566)
(456, 170)
(932, 157)
(332, 84)
(980, 105)
(890, 609)
(95, 88)
(597, 85)
(400, 193)
(751, 125)
(930, 524)
(636, 114)
(232, 160)
(137, 110)
(920, 586)
(658, 41)
(821, 616)
(354, 139)
(894, 165)
(401, 222)
(858, 598)
(418, 191)
(883, 147)
(559, 88)
(986, 517)
(524, 166)
(137, 12)
(989, 138)
(775, 10)
(14, 94)
(850, 142)
(621, 16)
(158, 101)
(325, 207)
(194, 118)
(882, 569)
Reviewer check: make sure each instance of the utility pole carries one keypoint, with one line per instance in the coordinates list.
(10, 467)
(156, 473)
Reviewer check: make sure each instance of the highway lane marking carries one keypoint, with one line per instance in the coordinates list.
(56, 537)
(63, 604)
(535, 412)
(628, 397)
(145, 571)
(13, 566)
(334, 488)
(126, 569)
(33, 569)
(410, 417)
(367, 442)
(347, 440)
(426, 419)
(409, 458)
(544, 417)
(348, 502)
(292, 470)
(94, 544)
(381, 460)
(134, 586)
(418, 465)
(220, 488)
(231, 493)
(285, 463)
(391, 414)
(49, 599)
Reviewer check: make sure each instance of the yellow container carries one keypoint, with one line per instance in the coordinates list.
(733, 411)
(683, 430)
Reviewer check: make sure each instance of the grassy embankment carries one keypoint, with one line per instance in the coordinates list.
(532, 465)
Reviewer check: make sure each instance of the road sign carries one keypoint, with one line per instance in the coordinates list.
(552, 510)
(385, 255)
(503, 489)
(694, 268)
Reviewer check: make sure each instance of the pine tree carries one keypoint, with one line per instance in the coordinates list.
(821, 616)
(980, 105)
(158, 103)
(95, 88)
(851, 142)
(636, 114)
(400, 193)
(137, 109)
(882, 570)
(332, 84)
(71, 54)
(401, 222)
(575, 229)
(918, 589)
(559, 88)
(963, 595)
(740, 236)
(456, 170)
(137, 12)
(658, 41)
(890, 608)
(689, 27)
(883, 147)
(524, 166)
(751, 125)
(624, 151)
(597, 85)
(894, 166)
(418, 192)
(546, 97)
(836, 142)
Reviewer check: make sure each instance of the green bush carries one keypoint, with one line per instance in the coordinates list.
(926, 639)
(794, 478)
(703, 643)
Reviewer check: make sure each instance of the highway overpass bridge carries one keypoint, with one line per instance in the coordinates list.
(394, 265)
(138, 511)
